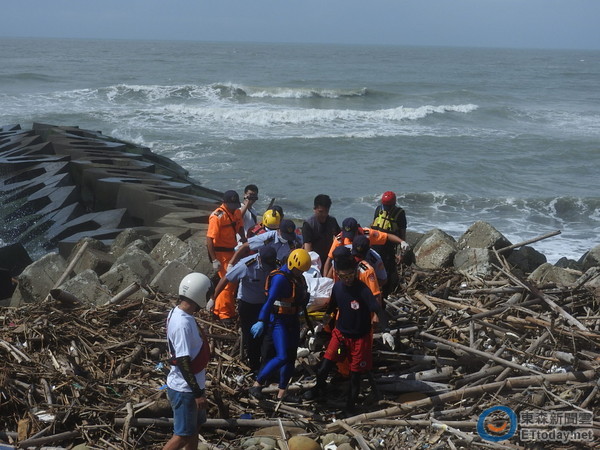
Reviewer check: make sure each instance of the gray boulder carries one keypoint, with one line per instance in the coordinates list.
(132, 266)
(38, 278)
(482, 235)
(476, 261)
(87, 288)
(168, 279)
(125, 238)
(591, 258)
(197, 257)
(436, 249)
(169, 248)
(548, 273)
(567, 263)
(527, 259)
(94, 259)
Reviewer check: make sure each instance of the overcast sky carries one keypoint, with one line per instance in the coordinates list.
(480, 23)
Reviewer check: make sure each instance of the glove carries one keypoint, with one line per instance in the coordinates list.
(257, 329)
(216, 264)
(388, 340)
(405, 246)
(210, 304)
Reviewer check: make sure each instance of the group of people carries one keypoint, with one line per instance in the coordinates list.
(262, 265)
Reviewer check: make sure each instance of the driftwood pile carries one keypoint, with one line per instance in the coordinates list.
(72, 374)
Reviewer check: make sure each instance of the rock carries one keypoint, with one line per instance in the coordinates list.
(435, 250)
(38, 278)
(144, 244)
(197, 258)
(124, 238)
(303, 443)
(168, 279)
(567, 263)
(591, 258)
(263, 442)
(547, 273)
(94, 259)
(335, 438)
(475, 261)
(482, 235)
(87, 288)
(526, 259)
(275, 431)
(132, 266)
(345, 446)
(169, 248)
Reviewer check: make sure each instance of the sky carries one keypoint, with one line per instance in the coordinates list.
(562, 24)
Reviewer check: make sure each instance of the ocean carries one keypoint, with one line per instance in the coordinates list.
(511, 137)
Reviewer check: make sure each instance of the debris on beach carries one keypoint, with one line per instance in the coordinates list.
(74, 373)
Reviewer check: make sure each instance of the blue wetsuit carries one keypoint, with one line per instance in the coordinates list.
(284, 327)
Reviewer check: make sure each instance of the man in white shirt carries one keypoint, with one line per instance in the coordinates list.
(189, 356)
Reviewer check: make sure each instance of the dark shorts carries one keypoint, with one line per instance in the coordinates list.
(186, 416)
(357, 350)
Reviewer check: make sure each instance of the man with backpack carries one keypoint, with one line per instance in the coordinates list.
(391, 219)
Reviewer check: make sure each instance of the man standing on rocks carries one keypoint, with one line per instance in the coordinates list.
(392, 220)
(287, 297)
(248, 213)
(319, 230)
(189, 356)
(223, 225)
(251, 272)
(351, 338)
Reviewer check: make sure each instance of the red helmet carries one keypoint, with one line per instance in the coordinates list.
(388, 198)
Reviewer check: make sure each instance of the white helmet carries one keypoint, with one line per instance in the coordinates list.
(195, 286)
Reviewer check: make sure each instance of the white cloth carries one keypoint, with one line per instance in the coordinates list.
(319, 287)
(185, 339)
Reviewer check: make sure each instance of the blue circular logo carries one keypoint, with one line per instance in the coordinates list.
(500, 430)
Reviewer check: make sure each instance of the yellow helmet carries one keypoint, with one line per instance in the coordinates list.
(271, 219)
(299, 259)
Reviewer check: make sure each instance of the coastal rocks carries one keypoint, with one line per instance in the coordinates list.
(477, 262)
(436, 249)
(482, 235)
(526, 259)
(38, 278)
(591, 258)
(548, 273)
(86, 287)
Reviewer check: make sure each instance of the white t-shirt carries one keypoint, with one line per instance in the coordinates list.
(185, 339)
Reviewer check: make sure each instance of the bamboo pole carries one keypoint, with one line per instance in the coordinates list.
(71, 265)
(530, 241)
(459, 394)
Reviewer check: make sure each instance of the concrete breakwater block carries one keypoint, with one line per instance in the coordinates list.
(59, 184)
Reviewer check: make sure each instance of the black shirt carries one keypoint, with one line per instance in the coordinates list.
(355, 304)
(320, 235)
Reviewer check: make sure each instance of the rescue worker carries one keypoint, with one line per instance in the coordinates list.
(287, 296)
(319, 230)
(190, 354)
(350, 229)
(223, 225)
(391, 219)
(351, 337)
(249, 215)
(270, 221)
(284, 240)
(362, 251)
(251, 272)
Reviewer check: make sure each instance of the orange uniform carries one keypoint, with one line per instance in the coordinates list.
(376, 237)
(222, 228)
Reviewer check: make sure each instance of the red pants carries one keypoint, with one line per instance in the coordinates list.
(357, 350)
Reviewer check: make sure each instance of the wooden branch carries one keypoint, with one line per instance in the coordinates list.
(530, 241)
(71, 265)
(481, 354)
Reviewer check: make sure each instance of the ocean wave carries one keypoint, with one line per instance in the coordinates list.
(235, 90)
